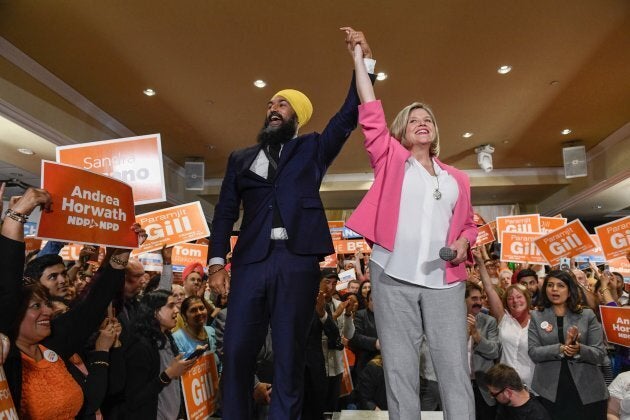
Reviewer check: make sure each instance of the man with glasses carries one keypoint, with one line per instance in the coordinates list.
(515, 401)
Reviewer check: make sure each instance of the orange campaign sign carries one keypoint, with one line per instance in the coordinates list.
(71, 252)
(86, 208)
(200, 386)
(233, 240)
(346, 379)
(32, 244)
(7, 409)
(336, 229)
(615, 237)
(184, 254)
(620, 265)
(350, 246)
(595, 255)
(549, 224)
(330, 261)
(134, 160)
(567, 241)
(520, 248)
(485, 235)
(173, 226)
(616, 323)
(524, 223)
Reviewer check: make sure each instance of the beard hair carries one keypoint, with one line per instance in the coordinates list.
(277, 135)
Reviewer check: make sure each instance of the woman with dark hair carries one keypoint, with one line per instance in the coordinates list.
(565, 342)
(195, 333)
(153, 361)
(364, 289)
(42, 344)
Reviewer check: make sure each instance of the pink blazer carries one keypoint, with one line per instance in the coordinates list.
(376, 217)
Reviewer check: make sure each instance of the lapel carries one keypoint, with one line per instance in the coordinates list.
(288, 150)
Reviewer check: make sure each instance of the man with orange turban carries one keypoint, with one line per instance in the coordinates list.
(284, 234)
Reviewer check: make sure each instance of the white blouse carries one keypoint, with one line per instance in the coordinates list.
(514, 344)
(423, 224)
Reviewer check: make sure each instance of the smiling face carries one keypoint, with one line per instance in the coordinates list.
(516, 302)
(167, 315)
(55, 279)
(279, 112)
(196, 314)
(365, 288)
(35, 325)
(557, 291)
(420, 130)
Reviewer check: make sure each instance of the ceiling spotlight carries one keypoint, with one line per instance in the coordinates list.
(260, 83)
(506, 141)
(149, 92)
(381, 76)
(597, 206)
(467, 135)
(26, 151)
(565, 132)
(504, 69)
(484, 156)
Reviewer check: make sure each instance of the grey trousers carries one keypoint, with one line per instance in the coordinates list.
(403, 312)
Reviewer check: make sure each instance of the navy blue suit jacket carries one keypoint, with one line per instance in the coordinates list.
(295, 190)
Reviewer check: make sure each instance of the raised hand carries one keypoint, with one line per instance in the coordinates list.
(354, 38)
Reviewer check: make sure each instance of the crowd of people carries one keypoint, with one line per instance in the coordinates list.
(471, 336)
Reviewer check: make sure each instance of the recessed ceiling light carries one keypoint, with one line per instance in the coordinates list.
(597, 206)
(149, 92)
(260, 83)
(565, 132)
(381, 76)
(504, 69)
(467, 135)
(25, 151)
(506, 141)
(529, 164)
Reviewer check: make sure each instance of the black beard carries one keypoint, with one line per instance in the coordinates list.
(277, 135)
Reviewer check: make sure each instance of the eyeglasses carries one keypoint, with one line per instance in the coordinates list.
(496, 394)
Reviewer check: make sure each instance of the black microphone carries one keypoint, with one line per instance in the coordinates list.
(447, 254)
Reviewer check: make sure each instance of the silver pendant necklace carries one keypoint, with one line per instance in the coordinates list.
(436, 193)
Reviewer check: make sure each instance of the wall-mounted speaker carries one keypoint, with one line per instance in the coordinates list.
(574, 159)
(194, 175)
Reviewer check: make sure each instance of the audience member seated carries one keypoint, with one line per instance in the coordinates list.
(371, 387)
(515, 401)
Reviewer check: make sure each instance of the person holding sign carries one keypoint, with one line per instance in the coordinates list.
(42, 344)
(566, 343)
(284, 233)
(416, 206)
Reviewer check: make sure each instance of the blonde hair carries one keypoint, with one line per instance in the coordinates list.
(398, 127)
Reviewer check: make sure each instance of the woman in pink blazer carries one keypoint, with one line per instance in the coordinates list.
(416, 206)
